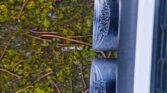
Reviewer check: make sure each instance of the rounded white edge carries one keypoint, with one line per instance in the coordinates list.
(144, 40)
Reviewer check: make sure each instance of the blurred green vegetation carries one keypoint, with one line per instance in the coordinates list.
(31, 65)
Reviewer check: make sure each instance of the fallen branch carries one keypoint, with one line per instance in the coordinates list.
(43, 76)
(21, 10)
(30, 86)
(11, 73)
(58, 90)
(65, 38)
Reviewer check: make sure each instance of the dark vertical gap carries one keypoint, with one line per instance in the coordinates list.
(159, 67)
(160, 86)
(165, 13)
(156, 47)
(165, 70)
(161, 29)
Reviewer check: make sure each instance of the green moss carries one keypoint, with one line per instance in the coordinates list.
(30, 58)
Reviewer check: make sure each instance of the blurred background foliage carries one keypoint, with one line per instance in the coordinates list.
(32, 65)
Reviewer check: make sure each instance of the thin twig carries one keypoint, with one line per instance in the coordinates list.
(30, 86)
(5, 50)
(82, 76)
(103, 54)
(14, 65)
(38, 79)
(57, 88)
(65, 45)
(71, 86)
(9, 72)
(86, 91)
(40, 38)
(43, 76)
(79, 36)
(21, 10)
(44, 32)
(109, 54)
(52, 33)
(65, 38)
(2, 54)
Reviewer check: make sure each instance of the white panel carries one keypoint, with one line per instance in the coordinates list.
(144, 41)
